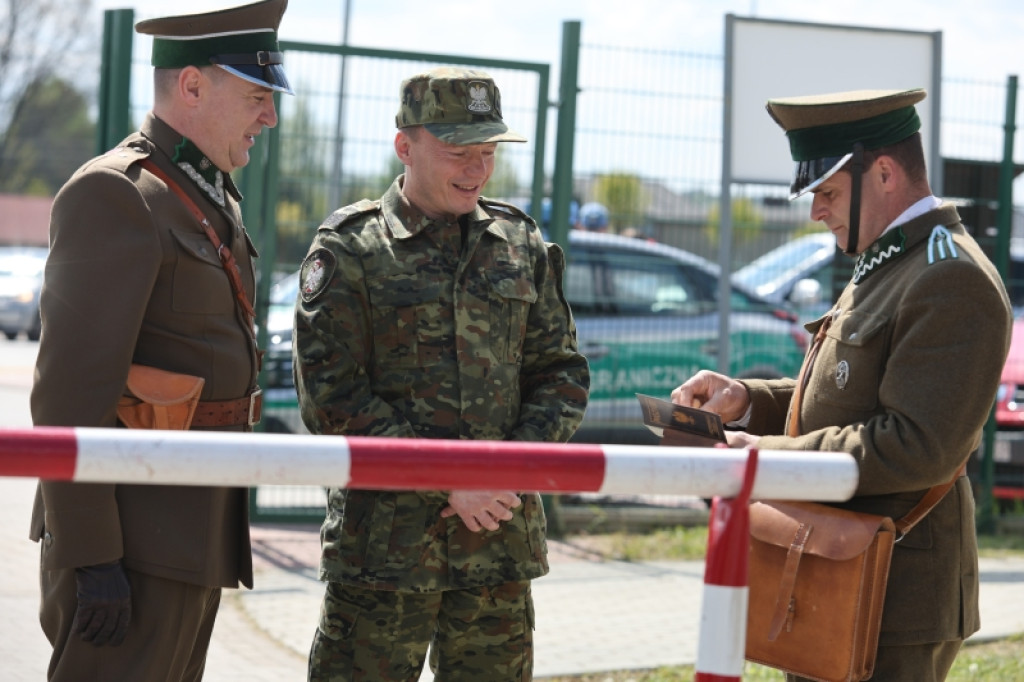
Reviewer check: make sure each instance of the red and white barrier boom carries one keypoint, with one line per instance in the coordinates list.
(252, 459)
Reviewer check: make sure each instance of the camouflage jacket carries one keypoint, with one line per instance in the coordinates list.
(403, 331)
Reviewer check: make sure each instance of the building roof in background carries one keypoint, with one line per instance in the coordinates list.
(24, 220)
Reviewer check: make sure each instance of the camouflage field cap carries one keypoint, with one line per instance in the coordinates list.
(241, 40)
(823, 129)
(457, 106)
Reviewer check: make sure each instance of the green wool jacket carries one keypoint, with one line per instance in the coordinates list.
(402, 330)
(904, 382)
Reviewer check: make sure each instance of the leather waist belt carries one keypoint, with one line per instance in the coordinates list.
(239, 412)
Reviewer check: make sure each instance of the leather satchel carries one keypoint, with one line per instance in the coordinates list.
(817, 577)
(817, 574)
(158, 399)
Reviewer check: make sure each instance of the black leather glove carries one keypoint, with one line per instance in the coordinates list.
(104, 604)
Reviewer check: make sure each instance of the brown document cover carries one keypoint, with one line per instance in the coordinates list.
(689, 425)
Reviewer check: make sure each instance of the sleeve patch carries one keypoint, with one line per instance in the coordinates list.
(315, 274)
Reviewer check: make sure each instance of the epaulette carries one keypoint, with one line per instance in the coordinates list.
(347, 213)
(121, 158)
(505, 207)
(940, 245)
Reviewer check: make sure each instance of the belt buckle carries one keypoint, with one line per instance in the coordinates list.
(255, 412)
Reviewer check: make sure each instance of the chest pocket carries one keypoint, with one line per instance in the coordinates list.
(512, 295)
(849, 368)
(408, 323)
(200, 284)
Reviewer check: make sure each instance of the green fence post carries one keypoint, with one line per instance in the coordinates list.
(115, 79)
(561, 194)
(986, 521)
(568, 87)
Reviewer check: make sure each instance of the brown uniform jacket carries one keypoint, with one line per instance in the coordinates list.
(904, 382)
(131, 277)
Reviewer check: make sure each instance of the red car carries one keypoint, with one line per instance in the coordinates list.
(1009, 450)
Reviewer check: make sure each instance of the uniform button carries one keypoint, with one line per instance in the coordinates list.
(47, 539)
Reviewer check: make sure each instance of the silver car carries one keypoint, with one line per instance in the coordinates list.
(21, 278)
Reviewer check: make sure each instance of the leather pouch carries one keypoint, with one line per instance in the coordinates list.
(817, 577)
(158, 399)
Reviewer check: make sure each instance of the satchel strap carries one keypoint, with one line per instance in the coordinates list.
(784, 605)
(793, 426)
(227, 258)
(934, 494)
(927, 503)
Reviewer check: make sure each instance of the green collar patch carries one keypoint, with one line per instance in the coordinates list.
(200, 169)
(886, 248)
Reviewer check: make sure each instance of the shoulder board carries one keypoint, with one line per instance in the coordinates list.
(121, 158)
(941, 246)
(346, 214)
(504, 207)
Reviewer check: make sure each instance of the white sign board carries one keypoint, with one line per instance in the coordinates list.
(767, 59)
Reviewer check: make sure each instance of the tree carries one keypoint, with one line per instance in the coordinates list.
(41, 115)
(746, 221)
(49, 136)
(40, 38)
(624, 196)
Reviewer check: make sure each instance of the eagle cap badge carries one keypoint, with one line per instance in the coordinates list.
(479, 100)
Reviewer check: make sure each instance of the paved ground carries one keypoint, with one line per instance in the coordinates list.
(592, 615)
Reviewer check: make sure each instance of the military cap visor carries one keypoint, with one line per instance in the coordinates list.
(823, 129)
(473, 133)
(240, 40)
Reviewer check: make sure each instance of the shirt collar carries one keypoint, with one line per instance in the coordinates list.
(915, 210)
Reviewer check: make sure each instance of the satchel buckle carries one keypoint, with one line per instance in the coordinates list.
(255, 407)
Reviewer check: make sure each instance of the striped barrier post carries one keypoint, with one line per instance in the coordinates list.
(251, 459)
(723, 620)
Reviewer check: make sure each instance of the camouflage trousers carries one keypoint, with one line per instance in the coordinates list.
(482, 633)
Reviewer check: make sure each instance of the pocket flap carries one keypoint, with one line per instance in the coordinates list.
(510, 283)
(856, 329)
(836, 534)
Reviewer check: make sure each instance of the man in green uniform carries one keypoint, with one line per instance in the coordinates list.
(435, 313)
(131, 575)
(908, 368)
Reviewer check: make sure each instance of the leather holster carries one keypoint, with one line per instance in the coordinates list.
(158, 399)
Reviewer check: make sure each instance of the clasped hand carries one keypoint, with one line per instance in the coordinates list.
(480, 509)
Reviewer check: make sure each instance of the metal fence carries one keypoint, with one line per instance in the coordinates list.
(647, 144)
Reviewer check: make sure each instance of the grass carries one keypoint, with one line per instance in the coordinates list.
(988, 662)
(1001, 660)
(690, 543)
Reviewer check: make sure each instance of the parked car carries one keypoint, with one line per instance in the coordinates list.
(21, 278)
(1008, 484)
(647, 319)
(799, 274)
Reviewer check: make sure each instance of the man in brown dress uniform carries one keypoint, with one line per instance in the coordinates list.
(131, 575)
(908, 368)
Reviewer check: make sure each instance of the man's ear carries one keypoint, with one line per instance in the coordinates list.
(403, 145)
(887, 170)
(190, 84)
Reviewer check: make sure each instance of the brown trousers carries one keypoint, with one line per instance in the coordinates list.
(169, 633)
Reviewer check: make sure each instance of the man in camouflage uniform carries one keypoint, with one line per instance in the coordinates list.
(907, 367)
(434, 313)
